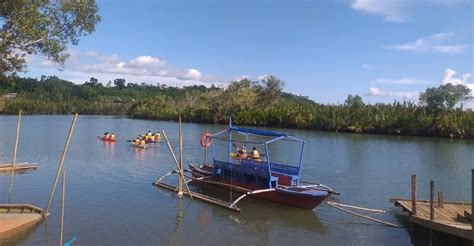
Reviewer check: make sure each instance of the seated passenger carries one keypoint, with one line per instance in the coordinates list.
(243, 152)
(112, 136)
(254, 155)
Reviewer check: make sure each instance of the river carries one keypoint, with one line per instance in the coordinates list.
(110, 199)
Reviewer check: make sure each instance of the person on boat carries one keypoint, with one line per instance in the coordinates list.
(112, 136)
(106, 135)
(149, 134)
(242, 153)
(157, 136)
(254, 155)
(143, 142)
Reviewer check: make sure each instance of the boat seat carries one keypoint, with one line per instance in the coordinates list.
(273, 181)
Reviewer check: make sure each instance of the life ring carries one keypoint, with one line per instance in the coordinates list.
(206, 140)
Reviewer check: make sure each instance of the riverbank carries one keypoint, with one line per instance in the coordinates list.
(248, 103)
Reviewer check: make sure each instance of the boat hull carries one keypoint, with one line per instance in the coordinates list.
(281, 195)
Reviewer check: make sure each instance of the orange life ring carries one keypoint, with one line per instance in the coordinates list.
(206, 140)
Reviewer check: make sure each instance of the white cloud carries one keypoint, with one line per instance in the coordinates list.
(403, 81)
(391, 10)
(374, 91)
(439, 43)
(400, 10)
(367, 66)
(83, 65)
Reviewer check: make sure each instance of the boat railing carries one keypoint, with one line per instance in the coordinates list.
(259, 168)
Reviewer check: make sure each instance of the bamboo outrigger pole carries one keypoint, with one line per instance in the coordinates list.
(63, 191)
(14, 157)
(180, 172)
(180, 166)
(61, 162)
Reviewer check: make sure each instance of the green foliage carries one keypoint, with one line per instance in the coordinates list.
(255, 103)
(444, 96)
(42, 27)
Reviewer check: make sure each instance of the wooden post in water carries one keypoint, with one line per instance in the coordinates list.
(180, 162)
(413, 194)
(61, 162)
(431, 200)
(440, 199)
(63, 191)
(472, 206)
(14, 157)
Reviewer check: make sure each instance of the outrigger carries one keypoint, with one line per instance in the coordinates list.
(277, 182)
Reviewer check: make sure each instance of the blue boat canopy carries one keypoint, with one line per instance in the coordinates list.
(258, 132)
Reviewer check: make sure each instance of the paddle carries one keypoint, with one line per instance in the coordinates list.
(70, 241)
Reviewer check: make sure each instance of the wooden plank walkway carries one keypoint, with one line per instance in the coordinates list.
(453, 218)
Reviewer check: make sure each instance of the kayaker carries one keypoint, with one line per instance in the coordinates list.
(142, 142)
(157, 136)
(254, 155)
(112, 137)
(137, 141)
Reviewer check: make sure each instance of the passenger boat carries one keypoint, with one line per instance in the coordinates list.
(277, 182)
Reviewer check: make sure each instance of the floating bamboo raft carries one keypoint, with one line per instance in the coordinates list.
(198, 196)
(16, 217)
(24, 166)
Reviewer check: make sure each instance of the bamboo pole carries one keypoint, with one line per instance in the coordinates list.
(363, 216)
(413, 194)
(180, 166)
(61, 162)
(431, 200)
(440, 199)
(63, 191)
(14, 157)
(472, 206)
(359, 208)
(176, 162)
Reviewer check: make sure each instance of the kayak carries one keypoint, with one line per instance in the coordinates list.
(107, 139)
(141, 146)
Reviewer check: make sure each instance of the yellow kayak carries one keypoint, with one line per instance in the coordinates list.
(142, 146)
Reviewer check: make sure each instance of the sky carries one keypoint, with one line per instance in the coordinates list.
(382, 50)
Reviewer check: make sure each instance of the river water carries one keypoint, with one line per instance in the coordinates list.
(110, 199)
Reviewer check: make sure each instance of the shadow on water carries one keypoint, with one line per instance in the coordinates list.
(420, 235)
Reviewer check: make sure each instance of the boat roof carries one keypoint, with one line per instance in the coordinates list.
(274, 136)
(258, 132)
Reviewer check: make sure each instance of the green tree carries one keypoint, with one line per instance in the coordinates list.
(119, 83)
(42, 27)
(444, 96)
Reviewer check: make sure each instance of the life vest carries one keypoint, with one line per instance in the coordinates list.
(142, 142)
(255, 154)
(112, 137)
(157, 137)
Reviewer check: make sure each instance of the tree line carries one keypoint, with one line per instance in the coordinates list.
(254, 103)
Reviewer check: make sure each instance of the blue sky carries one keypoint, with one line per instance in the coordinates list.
(380, 49)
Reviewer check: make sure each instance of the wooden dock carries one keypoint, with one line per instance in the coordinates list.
(452, 218)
